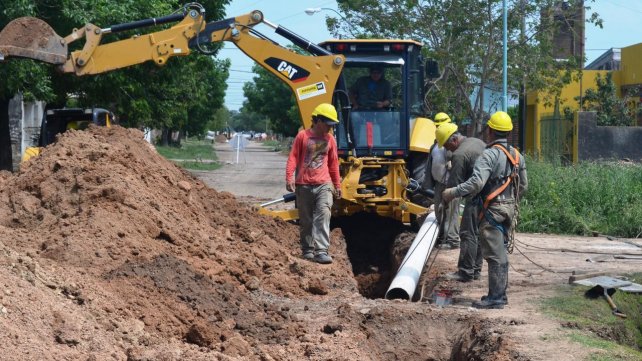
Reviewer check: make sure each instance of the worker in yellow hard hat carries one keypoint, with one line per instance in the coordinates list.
(314, 160)
(447, 213)
(465, 151)
(498, 181)
(441, 118)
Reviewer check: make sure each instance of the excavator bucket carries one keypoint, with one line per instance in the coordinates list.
(32, 38)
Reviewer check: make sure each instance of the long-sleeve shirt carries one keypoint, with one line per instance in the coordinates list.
(490, 165)
(463, 160)
(315, 160)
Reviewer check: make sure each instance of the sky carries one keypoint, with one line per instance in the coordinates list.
(621, 27)
(288, 14)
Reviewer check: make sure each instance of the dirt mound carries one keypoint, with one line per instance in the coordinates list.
(118, 251)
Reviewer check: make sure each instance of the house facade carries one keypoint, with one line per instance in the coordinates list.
(549, 126)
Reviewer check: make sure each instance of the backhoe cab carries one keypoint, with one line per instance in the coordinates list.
(382, 149)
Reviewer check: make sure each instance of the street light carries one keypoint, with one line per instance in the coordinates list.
(504, 58)
(312, 11)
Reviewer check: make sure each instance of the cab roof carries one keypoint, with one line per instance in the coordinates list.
(370, 41)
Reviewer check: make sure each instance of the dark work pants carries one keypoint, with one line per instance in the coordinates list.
(470, 254)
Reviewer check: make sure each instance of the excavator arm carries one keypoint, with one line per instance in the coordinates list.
(311, 78)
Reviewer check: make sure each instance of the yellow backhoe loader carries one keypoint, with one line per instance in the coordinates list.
(381, 150)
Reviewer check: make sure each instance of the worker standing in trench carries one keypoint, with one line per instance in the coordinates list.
(500, 179)
(465, 152)
(314, 157)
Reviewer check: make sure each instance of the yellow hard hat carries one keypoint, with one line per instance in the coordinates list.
(441, 118)
(326, 110)
(500, 121)
(444, 132)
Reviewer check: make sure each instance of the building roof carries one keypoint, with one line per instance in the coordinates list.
(609, 60)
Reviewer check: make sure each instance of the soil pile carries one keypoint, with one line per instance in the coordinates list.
(110, 252)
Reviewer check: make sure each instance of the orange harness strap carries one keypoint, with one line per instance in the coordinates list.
(509, 179)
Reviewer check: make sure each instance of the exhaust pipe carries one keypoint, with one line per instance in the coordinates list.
(405, 282)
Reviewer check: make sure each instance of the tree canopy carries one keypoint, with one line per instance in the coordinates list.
(182, 95)
(465, 37)
(611, 109)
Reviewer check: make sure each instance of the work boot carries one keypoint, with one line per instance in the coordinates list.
(476, 276)
(458, 276)
(497, 282)
(308, 255)
(448, 245)
(505, 298)
(323, 258)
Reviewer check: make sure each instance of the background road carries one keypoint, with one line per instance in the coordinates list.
(260, 172)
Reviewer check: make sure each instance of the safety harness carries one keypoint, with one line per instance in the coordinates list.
(511, 178)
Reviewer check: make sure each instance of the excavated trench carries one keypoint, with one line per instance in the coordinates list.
(375, 247)
(414, 335)
(369, 241)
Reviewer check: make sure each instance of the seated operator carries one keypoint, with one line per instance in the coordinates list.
(371, 92)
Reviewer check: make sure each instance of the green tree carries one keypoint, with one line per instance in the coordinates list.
(611, 110)
(220, 120)
(465, 36)
(271, 98)
(183, 95)
(248, 120)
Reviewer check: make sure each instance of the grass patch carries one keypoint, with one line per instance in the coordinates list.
(606, 350)
(595, 326)
(583, 199)
(275, 145)
(195, 165)
(192, 154)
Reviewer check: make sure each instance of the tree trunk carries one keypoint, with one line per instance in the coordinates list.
(5, 137)
(181, 134)
(165, 135)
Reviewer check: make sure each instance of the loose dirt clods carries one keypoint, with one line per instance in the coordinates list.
(109, 252)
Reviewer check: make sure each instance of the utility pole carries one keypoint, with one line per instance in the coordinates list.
(521, 142)
(505, 59)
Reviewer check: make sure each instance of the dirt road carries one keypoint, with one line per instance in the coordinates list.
(256, 172)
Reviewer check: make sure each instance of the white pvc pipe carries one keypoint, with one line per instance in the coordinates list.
(405, 282)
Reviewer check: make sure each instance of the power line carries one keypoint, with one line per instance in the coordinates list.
(625, 7)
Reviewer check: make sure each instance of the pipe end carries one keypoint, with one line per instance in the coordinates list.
(397, 294)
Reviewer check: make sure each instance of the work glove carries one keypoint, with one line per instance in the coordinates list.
(448, 194)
